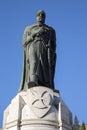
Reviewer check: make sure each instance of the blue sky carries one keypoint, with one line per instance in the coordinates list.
(69, 19)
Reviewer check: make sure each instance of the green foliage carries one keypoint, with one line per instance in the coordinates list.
(82, 126)
(76, 125)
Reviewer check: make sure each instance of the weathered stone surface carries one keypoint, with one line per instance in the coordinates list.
(38, 108)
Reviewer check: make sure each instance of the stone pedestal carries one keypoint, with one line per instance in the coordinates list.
(40, 108)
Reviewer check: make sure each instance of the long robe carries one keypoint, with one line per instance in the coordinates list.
(39, 44)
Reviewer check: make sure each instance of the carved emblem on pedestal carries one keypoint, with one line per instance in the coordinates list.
(40, 100)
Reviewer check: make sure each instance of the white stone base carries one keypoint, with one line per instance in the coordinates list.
(40, 108)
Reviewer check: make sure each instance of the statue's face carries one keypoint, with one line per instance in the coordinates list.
(40, 17)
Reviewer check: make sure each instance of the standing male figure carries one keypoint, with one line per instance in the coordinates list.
(39, 43)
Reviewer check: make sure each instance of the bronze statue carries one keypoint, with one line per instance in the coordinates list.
(39, 43)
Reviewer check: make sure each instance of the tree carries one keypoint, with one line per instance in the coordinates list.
(82, 126)
(76, 125)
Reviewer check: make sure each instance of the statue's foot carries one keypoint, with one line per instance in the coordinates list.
(32, 84)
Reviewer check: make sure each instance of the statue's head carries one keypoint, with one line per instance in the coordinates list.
(40, 17)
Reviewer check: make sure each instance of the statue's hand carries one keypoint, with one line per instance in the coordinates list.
(29, 38)
(37, 34)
